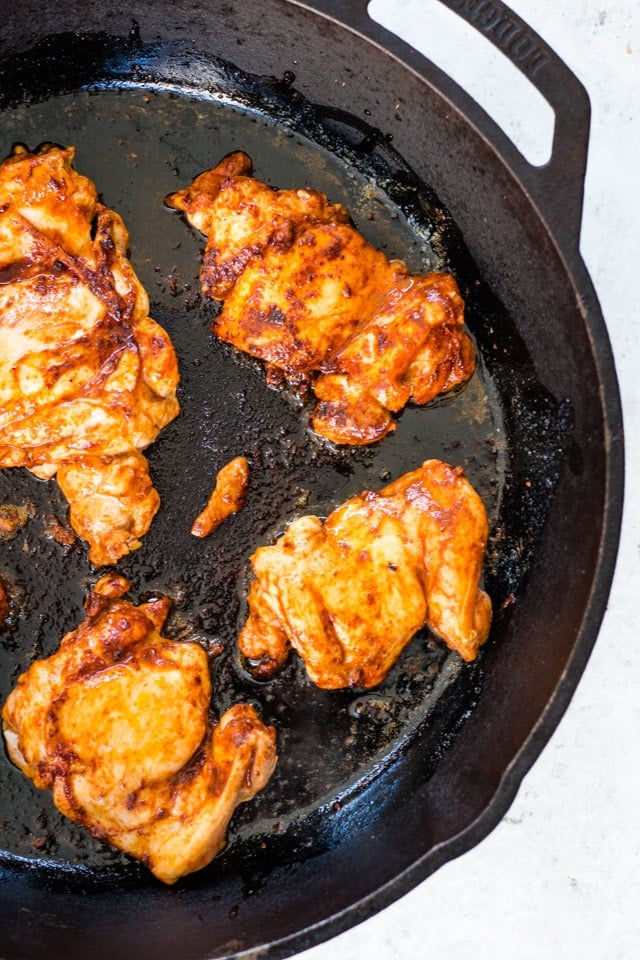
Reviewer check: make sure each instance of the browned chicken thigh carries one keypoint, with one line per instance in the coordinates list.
(304, 292)
(349, 594)
(116, 724)
(87, 378)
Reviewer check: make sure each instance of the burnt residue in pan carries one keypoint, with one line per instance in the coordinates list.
(144, 121)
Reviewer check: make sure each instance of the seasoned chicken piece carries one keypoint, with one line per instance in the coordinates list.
(349, 594)
(87, 378)
(304, 292)
(229, 495)
(116, 724)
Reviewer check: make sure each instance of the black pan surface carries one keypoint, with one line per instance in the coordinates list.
(144, 121)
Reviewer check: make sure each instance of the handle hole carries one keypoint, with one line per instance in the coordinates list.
(482, 70)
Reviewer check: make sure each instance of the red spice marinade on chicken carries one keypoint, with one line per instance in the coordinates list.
(349, 593)
(87, 378)
(304, 292)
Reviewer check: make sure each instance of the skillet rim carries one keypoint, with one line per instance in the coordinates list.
(594, 611)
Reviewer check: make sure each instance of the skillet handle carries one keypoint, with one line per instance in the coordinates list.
(557, 186)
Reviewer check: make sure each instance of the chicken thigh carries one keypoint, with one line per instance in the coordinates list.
(349, 593)
(304, 292)
(87, 378)
(116, 725)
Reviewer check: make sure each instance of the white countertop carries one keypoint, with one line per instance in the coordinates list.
(560, 875)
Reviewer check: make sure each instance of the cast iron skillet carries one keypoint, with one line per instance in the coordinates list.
(373, 791)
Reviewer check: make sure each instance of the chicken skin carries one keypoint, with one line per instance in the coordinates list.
(116, 724)
(348, 594)
(304, 292)
(87, 378)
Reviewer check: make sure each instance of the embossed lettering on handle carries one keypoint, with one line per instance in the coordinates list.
(490, 17)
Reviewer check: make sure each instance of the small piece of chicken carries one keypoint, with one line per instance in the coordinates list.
(116, 724)
(87, 378)
(13, 517)
(305, 293)
(229, 495)
(349, 594)
(52, 529)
